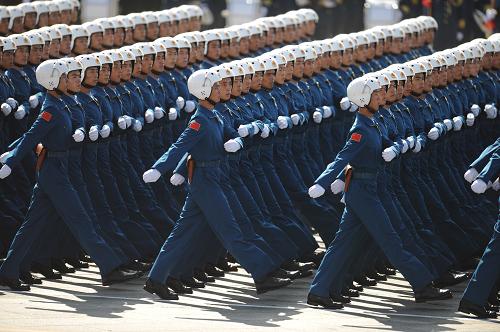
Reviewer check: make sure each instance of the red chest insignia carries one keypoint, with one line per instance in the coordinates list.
(194, 125)
(356, 137)
(46, 116)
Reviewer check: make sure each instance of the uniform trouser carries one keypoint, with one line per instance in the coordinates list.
(299, 154)
(364, 210)
(326, 140)
(54, 193)
(206, 203)
(487, 272)
(316, 162)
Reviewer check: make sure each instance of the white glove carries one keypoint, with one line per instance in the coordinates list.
(418, 147)
(317, 117)
(353, 108)
(479, 186)
(491, 111)
(78, 136)
(433, 133)
(345, 104)
(159, 113)
(448, 124)
(470, 120)
(389, 153)
(190, 106)
(405, 146)
(470, 175)
(137, 126)
(491, 13)
(327, 112)
(151, 175)
(411, 141)
(475, 109)
(105, 131)
(172, 114)
(457, 123)
(232, 146)
(496, 185)
(5, 171)
(3, 157)
(265, 131)
(149, 115)
(337, 186)
(243, 131)
(12, 102)
(93, 133)
(128, 120)
(180, 102)
(6, 109)
(295, 119)
(122, 123)
(177, 179)
(282, 123)
(316, 191)
(33, 100)
(20, 113)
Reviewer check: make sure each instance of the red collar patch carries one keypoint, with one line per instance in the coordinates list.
(356, 137)
(46, 116)
(194, 125)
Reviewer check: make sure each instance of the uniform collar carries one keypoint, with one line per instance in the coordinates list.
(209, 113)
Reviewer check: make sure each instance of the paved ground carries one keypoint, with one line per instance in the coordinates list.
(80, 303)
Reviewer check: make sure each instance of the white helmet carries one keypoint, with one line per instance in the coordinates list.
(417, 66)
(168, 42)
(93, 27)
(14, 12)
(347, 41)
(200, 83)
(104, 58)
(486, 44)
(72, 64)
(310, 14)
(459, 54)
(189, 36)
(450, 58)
(146, 48)
(426, 62)
(159, 47)
(49, 72)
(20, 40)
(224, 34)
(432, 22)
(118, 22)
(53, 7)
(137, 19)
(181, 14)
(247, 67)
(336, 45)
(397, 32)
(434, 61)
(64, 29)
(150, 17)
(222, 71)
(4, 13)
(360, 90)
(136, 51)
(88, 61)
(372, 38)
(105, 23)
(310, 53)
(467, 51)
(379, 33)
(182, 42)
(361, 39)
(163, 17)
(297, 51)
(45, 34)
(254, 29)
(387, 30)
(382, 77)
(257, 64)
(407, 70)
(65, 4)
(115, 55)
(78, 31)
(398, 72)
(233, 33)
(278, 56)
(236, 69)
(287, 53)
(35, 38)
(269, 62)
(126, 54)
(243, 31)
(8, 44)
(53, 32)
(278, 23)
(27, 8)
(127, 22)
(210, 35)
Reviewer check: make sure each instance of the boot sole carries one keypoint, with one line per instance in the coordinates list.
(262, 291)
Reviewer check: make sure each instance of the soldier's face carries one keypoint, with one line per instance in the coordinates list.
(400, 90)
(21, 55)
(137, 67)
(298, 68)
(183, 26)
(126, 71)
(7, 59)
(195, 24)
(379, 49)
(237, 86)
(174, 28)
(391, 92)
(335, 60)
(308, 68)
(171, 58)
(164, 29)
(119, 37)
(54, 18)
(65, 45)
(200, 55)
(289, 70)
(408, 86)
(193, 53)
(270, 37)
(74, 81)
(257, 81)
(375, 101)
(74, 15)
(247, 82)
(108, 38)
(140, 33)
(254, 43)
(396, 45)
(215, 93)
(234, 49)
(66, 16)
(152, 31)
(55, 44)
(116, 72)
(347, 57)
(278, 36)
(244, 43)
(30, 21)
(96, 41)
(418, 84)
(280, 74)
(63, 83)
(104, 74)
(4, 26)
(213, 50)
(182, 58)
(224, 50)
(268, 79)
(147, 63)
(45, 52)
(225, 89)
(496, 60)
(43, 20)
(36, 54)
(80, 46)
(129, 37)
(91, 76)
(159, 63)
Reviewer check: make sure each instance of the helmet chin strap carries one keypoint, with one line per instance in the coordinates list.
(211, 102)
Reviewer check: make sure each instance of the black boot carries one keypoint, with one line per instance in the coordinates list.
(296, 266)
(214, 271)
(350, 293)
(356, 287)
(193, 283)
(477, 310)
(377, 276)
(159, 289)
(118, 275)
(280, 273)
(14, 284)
(178, 287)
(271, 283)
(202, 276)
(29, 279)
(431, 293)
(46, 271)
(77, 264)
(340, 298)
(450, 279)
(324, 302)
(60, 266)
(365, 281)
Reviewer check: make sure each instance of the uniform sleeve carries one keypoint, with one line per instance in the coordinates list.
(43, 124)
(195, 131)
(351, 149)
(492, 169)
(483, 158)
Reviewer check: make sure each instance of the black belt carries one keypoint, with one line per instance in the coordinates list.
(209, 163)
